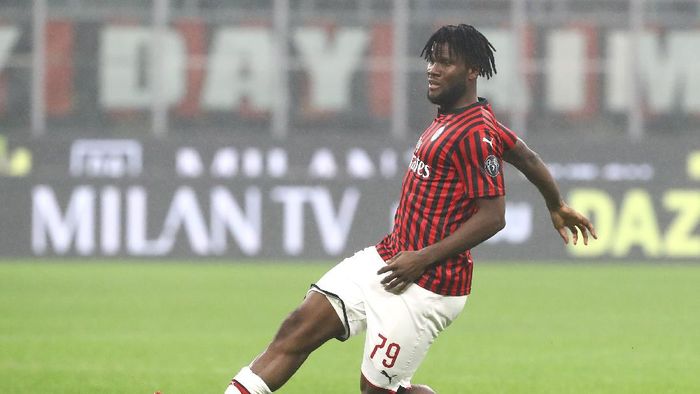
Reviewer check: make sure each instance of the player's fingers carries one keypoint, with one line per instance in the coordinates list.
(401, 288)
(584, 232)
(384, 269)
(564, 235)
(389, 278)
(584, 222)
(574, 234)
(392, 286)
(389, 264)
(590, 228)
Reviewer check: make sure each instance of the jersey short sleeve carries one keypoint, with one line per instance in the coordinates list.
(477, 158)
(508, 136)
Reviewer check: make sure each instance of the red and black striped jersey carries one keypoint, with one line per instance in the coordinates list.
(457, 159)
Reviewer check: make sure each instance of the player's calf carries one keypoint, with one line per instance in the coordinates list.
(307, 328)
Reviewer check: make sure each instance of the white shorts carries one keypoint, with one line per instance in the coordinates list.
(399, 328)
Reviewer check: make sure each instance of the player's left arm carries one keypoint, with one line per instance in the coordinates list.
(407, 266)
(563, 216)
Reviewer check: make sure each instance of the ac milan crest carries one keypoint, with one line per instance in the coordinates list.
(492, 166)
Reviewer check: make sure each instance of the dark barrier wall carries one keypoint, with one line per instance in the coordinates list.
(321, 198)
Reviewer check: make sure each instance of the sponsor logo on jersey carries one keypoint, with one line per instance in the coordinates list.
(418, 144)
(419, 167)
(492, 166)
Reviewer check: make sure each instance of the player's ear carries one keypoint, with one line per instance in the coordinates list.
(472, 73)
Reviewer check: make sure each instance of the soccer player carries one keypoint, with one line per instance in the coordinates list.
(409, 287)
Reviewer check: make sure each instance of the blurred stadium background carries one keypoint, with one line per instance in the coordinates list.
(145, 133)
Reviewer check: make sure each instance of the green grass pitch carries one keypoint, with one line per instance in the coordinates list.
(130, 327)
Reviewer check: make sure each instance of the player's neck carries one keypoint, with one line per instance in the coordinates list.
(470, 98)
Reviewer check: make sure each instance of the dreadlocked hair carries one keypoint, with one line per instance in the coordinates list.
(466, 43)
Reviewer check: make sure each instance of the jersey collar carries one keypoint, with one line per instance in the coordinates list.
(480, 102)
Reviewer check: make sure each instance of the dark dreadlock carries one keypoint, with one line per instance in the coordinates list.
(466, 43)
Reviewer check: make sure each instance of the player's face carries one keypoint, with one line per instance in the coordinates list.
(447, 78)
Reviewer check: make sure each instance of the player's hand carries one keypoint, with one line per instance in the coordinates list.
(566, 217)
(405, 267)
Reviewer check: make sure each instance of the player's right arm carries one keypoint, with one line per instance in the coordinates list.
(531, 165)
(407, 266)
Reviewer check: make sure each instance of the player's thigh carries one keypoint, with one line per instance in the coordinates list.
(400, 330)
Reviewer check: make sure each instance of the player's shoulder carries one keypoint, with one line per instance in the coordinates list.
(478, 130)
(485, 138)
(477, 121)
